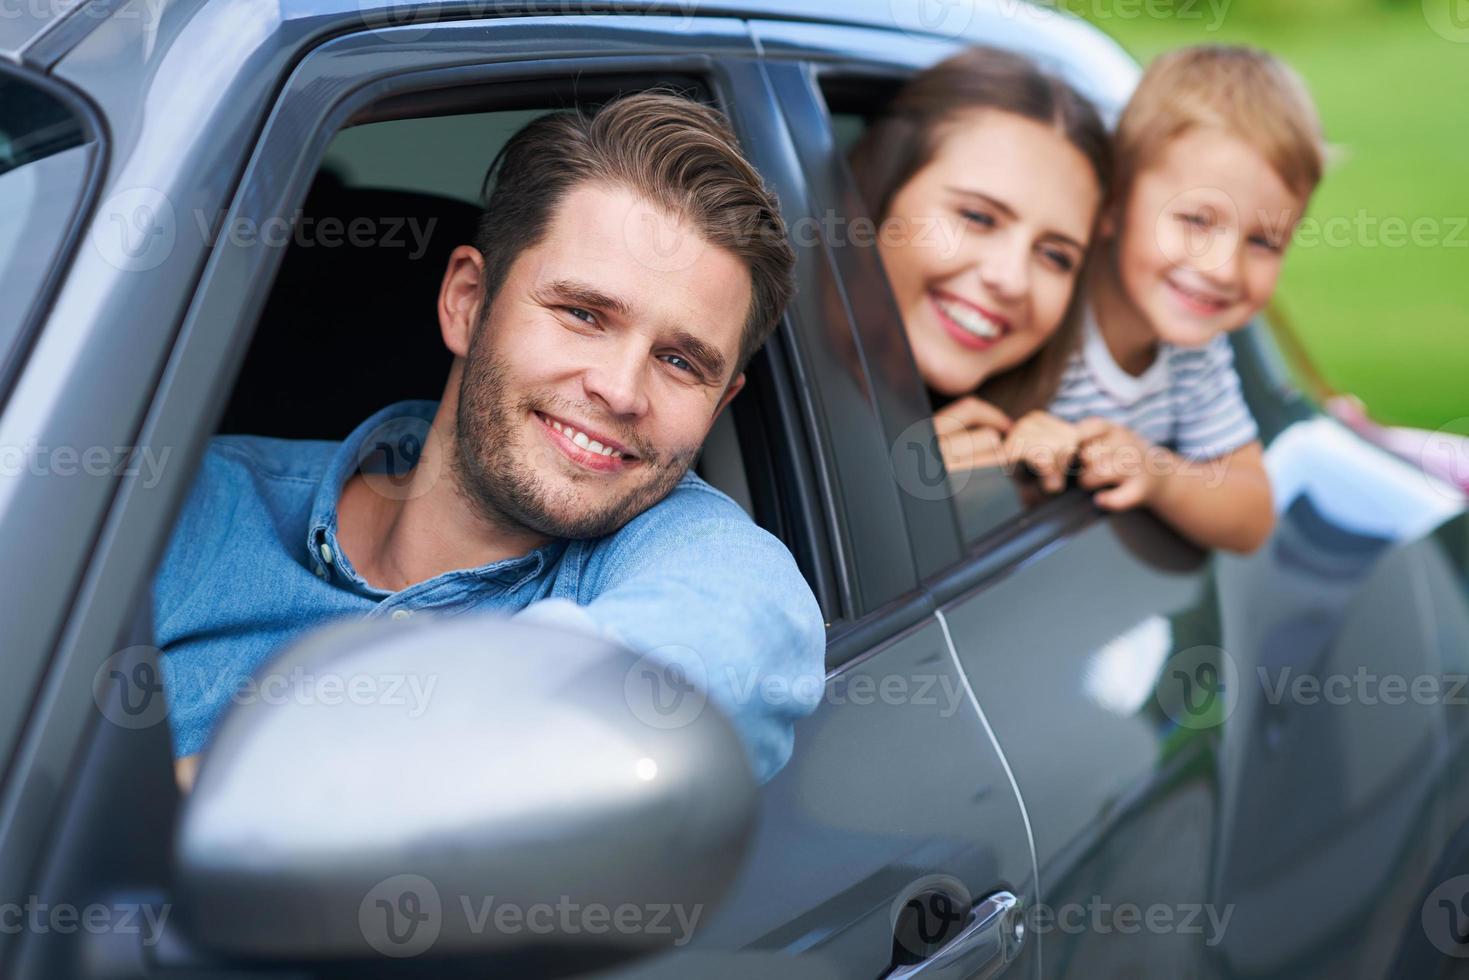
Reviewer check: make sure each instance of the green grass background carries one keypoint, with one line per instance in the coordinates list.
(1389, 324)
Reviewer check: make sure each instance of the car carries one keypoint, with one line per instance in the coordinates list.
(1053, 742)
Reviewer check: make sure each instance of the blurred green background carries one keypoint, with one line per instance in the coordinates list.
(1382, 316)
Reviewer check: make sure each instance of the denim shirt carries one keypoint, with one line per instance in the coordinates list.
(254, 562)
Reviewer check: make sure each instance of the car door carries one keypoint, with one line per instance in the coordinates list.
(1191, 815)
(896, 820)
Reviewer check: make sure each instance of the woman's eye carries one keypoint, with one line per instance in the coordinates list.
(981, 218)
(1061, 261)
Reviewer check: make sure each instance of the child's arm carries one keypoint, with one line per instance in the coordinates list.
(1216, 503)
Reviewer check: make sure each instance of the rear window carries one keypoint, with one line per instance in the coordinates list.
(44, 152)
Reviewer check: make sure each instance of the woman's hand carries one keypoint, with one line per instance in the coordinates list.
(970, 433)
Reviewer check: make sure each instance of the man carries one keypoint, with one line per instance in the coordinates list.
(626, 267)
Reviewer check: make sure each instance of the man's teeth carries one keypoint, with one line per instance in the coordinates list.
(581, 439)
(970, 319)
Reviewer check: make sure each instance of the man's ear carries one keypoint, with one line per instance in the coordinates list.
(729, 393)
(460, 295)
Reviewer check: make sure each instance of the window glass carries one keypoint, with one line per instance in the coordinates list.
(984, 499)
(43, 170)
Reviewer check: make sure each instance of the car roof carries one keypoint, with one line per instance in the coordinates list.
(44, 32)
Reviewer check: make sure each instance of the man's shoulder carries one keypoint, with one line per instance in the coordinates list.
(268, 458)
(695, 522)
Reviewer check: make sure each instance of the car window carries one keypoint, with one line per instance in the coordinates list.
(984, 500)
(43, 172)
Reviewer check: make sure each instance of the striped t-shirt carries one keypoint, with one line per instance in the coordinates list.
(1188, 399)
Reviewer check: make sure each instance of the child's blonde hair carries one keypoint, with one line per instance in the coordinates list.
(1246, 92)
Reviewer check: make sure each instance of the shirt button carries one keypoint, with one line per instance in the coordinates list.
(401, 614)
(326, 552)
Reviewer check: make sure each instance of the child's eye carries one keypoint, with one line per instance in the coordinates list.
(981, 218)
(1197, 220)
(1260, 241)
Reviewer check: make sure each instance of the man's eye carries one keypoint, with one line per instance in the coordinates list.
(680, 363)
(581, 314)
(981, 218)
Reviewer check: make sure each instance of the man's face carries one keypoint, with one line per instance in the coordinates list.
(593, 378)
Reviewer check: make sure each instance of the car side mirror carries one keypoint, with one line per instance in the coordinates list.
(475, 788)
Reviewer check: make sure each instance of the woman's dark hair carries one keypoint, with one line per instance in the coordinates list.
(905, 137)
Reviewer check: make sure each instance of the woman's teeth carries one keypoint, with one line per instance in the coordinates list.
(581, 439)
(970, 319)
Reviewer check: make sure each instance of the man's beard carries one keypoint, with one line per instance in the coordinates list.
(496, 477)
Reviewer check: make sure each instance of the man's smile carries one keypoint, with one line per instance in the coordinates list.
(587, 448)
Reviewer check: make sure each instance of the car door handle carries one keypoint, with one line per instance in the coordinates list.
(989, 942)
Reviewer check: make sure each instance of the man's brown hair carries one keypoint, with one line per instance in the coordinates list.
(675, 153)
(1248, 93)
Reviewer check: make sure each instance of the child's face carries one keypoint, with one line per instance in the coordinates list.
(1202, 235)
(982, 246)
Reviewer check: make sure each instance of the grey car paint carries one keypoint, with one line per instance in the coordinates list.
(1319, 828)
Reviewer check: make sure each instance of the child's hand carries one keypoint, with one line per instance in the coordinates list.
(1047, 445)
(1114, 456)
(970, 433)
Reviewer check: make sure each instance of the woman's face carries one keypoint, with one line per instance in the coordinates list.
(983, 245)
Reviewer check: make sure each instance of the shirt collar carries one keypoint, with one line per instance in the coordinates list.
(1127, 389)
(385, 448)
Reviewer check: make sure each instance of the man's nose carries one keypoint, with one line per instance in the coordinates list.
(619, 380)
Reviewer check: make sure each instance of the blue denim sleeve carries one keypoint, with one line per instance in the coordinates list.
(715, 600)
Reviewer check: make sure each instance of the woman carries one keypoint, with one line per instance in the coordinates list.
(986, 175)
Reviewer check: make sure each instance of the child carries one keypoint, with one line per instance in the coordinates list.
(1217, 155)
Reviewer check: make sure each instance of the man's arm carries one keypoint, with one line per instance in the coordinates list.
(712, 599)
